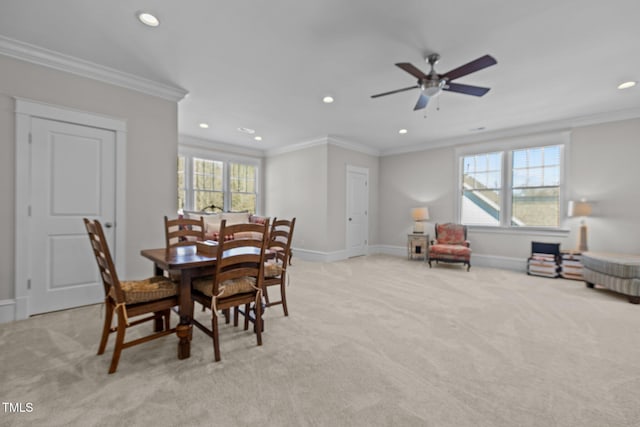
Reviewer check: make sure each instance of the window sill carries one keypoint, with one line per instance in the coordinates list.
(528, 231)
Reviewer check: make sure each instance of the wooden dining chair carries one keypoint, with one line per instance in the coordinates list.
(275, 271)
(154, 296)
(183, 231)
(238, 277)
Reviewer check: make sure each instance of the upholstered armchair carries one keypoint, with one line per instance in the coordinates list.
(450, 245)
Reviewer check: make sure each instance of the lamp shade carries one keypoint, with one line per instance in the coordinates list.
(420, 214)
(581, 208)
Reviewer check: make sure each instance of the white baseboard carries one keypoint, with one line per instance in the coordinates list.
(496, 261)
(388, 250)
(318, 256)
(493, 261)
(7, 310)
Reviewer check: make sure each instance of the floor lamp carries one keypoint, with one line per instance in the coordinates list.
(581, 209)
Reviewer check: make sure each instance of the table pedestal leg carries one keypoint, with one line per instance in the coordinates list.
(183, 330)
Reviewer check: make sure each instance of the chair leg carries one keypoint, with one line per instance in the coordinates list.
(122, 327)
(108, 318)
(265, 293)
(167, 319)
(158, 324)
(246, 316)
(258, 322)
(235, 316)
(216, 343)
(283, 297)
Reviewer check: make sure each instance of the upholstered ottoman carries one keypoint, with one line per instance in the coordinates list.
(618, 272)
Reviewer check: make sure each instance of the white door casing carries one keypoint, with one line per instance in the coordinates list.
(69, 164)
(357, 211)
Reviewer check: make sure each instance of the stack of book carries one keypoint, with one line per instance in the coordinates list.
(571, 266)
(543, 265)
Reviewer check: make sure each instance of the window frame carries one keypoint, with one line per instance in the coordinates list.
(507, 146)
(189, 153)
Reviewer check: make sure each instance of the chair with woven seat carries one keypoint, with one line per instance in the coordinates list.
(280, 238)
(183, 231)
(154, 297)
(237, 280)
(450, 245)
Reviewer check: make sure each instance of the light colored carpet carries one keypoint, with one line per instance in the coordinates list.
(371, 341)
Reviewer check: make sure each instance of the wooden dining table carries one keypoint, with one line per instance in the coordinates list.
(191, 264)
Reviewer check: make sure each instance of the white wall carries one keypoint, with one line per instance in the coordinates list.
(423, 178)
(151, 155)
(605, 168)
(310, 184)
(296, 186)
(602, 167)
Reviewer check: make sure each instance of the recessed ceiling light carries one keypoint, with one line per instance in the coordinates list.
(148, 19)
(626, 85)
(204, 125)
(402, 131)
(327, 99)
(246, 130)
(257, 138)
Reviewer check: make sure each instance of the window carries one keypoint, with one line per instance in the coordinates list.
(228, 184)
(242, 187)
(514, 188)
(482, 189)
(535, 187)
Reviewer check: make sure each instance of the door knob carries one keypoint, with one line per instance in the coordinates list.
(108, 225)
(349, 219)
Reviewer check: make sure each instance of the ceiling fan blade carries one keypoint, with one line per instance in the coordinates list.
(422, 102)
(395, 91)
(415, 72)
(471, 67)
(466, 89)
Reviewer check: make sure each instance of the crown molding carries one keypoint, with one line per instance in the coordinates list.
(353, 146)
(297, 146)
(207, 144)
(325, 140)
(552, 126)
(70, 64)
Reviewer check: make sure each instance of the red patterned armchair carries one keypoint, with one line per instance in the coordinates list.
(450, 245)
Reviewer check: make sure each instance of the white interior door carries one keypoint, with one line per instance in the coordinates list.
(72, 176)
(357, 211)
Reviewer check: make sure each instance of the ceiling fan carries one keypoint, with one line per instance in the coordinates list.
(432, 84)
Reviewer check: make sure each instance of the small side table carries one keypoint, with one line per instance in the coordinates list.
(417, 246)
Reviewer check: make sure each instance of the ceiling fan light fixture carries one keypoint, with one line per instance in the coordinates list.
(432, 88)
(432, 91)
(148, 19)
(626, 85)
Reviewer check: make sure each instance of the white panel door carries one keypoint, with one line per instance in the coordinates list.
(72, 176)
(357, 211)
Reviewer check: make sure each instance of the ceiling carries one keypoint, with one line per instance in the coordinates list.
(267, 65)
